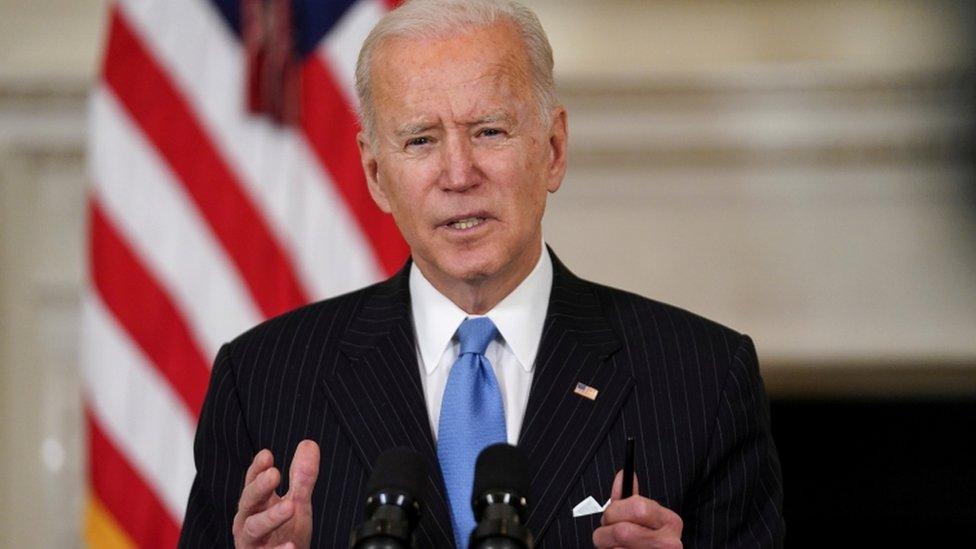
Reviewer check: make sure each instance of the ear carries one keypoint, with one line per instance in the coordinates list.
(558, 137)
(371, 169)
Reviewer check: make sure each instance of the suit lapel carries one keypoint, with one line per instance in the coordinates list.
(561, 429)
(377, 394)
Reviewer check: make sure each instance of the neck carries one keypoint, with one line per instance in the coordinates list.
(480, 295)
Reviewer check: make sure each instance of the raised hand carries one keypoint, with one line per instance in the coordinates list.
(266, 520)
(637, 522)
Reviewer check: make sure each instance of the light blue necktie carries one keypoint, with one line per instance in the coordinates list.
(472, 418)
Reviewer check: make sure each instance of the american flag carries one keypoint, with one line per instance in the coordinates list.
(226, 189)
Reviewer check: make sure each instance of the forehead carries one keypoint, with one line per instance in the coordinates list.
(468, 70)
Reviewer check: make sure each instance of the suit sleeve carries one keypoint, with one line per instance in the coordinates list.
(222, 451)
(738, 501)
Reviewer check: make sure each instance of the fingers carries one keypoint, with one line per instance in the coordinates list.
(619, 535)
(260, 493)
(637, 521)
(261, 461)
(304, 471)
(643, 512)
(261, 511)
(258, 496)
(618, 483)
(628, 534)
(261, 524)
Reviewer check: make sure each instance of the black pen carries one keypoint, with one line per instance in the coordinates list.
(627, 488)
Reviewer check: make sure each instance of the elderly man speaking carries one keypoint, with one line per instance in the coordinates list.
(462, 140)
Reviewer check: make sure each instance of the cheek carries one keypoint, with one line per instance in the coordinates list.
(509, 168)
(402, 191)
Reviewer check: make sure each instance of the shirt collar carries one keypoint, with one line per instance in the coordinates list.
(519, 317)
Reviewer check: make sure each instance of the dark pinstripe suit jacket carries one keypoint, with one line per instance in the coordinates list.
(344, 372)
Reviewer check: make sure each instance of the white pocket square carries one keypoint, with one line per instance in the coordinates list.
(589, 506)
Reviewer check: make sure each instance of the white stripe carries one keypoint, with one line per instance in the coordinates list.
(136, 408)
(140, 194)
(341, 46)
(336, 256)
(205, 60)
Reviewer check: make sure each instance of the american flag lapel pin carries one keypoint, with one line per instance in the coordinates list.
(585, 391)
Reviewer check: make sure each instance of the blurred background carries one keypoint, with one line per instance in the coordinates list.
(799, 170)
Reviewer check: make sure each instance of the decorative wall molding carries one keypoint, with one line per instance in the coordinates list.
(43, 116)
(773, 118)
(899, 377)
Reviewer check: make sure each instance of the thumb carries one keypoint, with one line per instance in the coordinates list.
(304, 471)
(618, 483)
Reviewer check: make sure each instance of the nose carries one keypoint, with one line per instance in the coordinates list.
(459, 172)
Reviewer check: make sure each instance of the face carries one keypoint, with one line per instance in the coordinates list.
(460, 155)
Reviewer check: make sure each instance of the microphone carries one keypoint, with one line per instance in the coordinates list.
(392, 501)
(500, 504)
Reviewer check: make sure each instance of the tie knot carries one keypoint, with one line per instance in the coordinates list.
(474, 335)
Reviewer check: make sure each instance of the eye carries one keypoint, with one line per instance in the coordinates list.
(490, 132)
(418, 141)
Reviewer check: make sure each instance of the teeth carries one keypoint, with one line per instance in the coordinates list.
(467, 223)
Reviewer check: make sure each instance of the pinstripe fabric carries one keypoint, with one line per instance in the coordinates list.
(687, 388)
(344, 373)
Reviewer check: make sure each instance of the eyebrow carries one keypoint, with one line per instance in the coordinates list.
(413, 128)
(417, 128)
(493, 117)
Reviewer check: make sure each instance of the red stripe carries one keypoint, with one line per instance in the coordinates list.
(392, 4)
(126, 495)
(146, 312)
(169, 123)
(331, 128)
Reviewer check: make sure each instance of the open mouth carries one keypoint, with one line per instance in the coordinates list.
(466, 223)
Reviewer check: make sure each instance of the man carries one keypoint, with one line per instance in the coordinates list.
(462, 141)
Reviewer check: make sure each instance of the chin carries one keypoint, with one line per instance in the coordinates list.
(471, 272)
(471, 267)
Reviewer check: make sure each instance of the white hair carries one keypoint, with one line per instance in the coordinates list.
(444, 18)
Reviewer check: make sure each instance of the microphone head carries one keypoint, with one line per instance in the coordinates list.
(501, 468)
(399, 468)
(500, 499)
(393, 494)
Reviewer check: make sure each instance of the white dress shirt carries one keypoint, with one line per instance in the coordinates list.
(519, 318)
